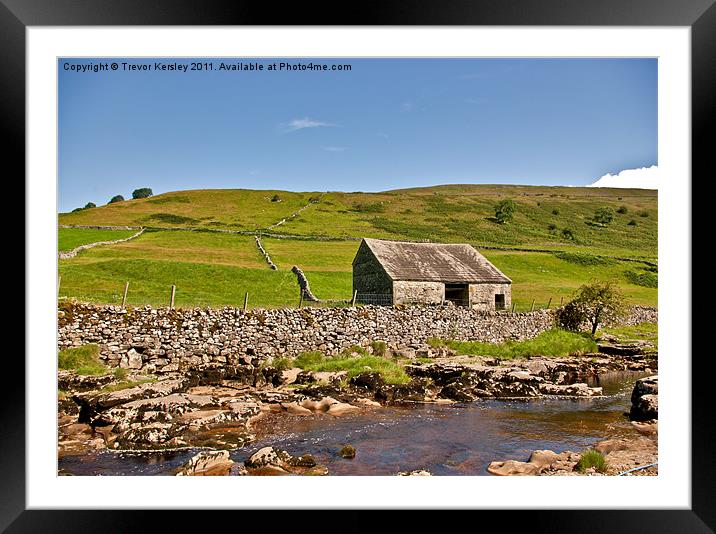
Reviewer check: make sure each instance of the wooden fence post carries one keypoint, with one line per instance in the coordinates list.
(532, 308)
(549, 303)
(561, 301)
(513, 307)
(59, 280)
(246, 301)
(353, 300)
(124, 297)
(171, 301)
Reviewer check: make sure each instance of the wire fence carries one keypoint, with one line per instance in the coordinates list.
(129, 295)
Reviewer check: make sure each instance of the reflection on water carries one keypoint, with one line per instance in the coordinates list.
(458, 439)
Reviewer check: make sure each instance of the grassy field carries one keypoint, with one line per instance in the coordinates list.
(211, 268)
(71, 238)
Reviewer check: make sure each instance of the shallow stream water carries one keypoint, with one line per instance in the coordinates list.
(454, 439)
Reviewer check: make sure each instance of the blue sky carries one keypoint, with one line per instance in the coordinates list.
(385, 124)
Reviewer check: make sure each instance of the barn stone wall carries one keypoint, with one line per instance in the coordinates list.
(482, 296)
(369, 277)
(422, 292)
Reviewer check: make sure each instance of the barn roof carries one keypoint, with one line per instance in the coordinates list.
(434, 262)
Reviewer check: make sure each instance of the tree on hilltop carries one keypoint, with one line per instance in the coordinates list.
(116, 198)
(143, 192)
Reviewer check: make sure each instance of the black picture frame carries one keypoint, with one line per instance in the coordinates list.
(699, 15)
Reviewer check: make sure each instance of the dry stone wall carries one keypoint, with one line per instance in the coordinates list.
(166, 340)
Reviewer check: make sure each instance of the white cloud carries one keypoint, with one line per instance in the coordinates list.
(300, 124)
(643, 178)
(406, 106)
(334, 148)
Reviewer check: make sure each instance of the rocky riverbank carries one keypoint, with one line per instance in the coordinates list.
(633, 456)
(215, 407)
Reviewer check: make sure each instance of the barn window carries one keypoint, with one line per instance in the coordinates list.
(500, 301)
(458, 294)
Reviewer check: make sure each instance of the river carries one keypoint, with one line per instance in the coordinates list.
(452, 439)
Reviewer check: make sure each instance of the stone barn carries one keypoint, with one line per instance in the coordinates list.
(396, 272)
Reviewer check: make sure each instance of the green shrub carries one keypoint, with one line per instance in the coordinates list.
(604, 215)
(170, 218)
(622, 210)
(116, 198)
(83, 360)
(632, 223)
(89, 205)
(568, 234)
(504, 210)
(276, 198)
(643, 214)
(583, 259)
(555, 211)
(374, 207)
(643, 278)
(592, 458)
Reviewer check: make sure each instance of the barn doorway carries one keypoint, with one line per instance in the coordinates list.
(499, 301)
(458, 294)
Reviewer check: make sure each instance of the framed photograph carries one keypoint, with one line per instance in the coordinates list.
(438, 259)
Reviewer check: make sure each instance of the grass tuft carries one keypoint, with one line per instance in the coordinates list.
(592, 458)
(83, 360)
(391, 372)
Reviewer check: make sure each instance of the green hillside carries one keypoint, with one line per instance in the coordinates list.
(217, 268)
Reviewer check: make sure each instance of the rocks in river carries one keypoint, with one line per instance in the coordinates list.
(347, 451)
(571, 390)
(631, 348)
(621, 454)
(341, 408)
(513, 468)
(415, 473)
(465, 383)
(295, 409)
(645, 408)
(645, 399)
(207, 463)
(539, 462)
(274, 461)
(362, 401)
